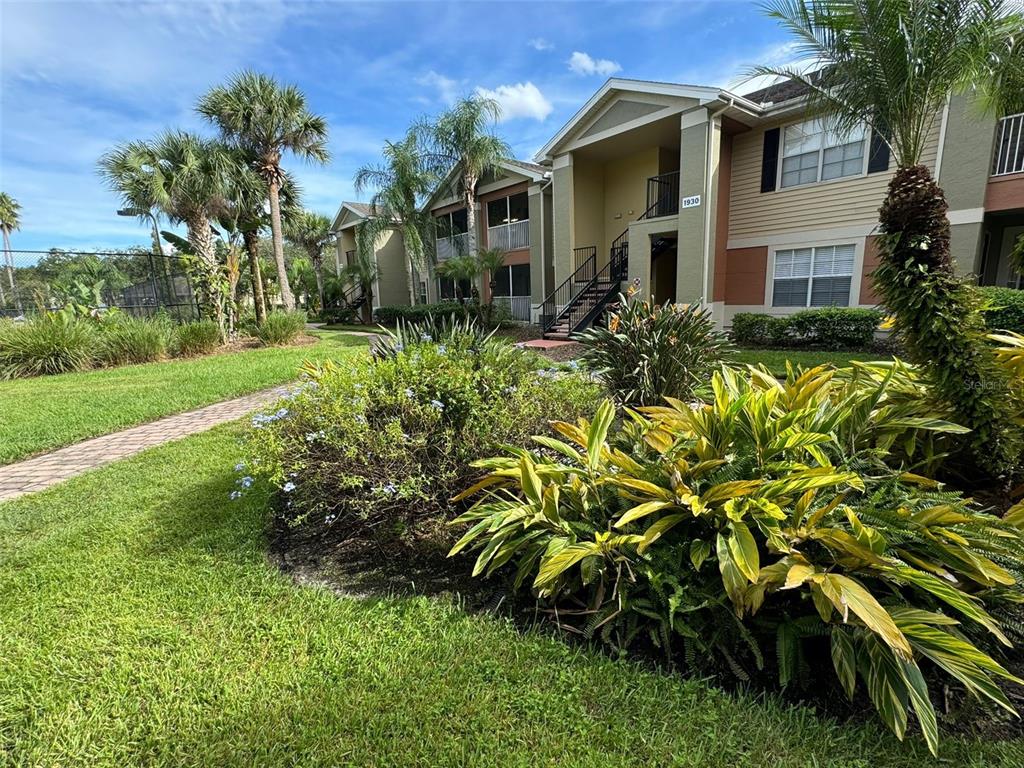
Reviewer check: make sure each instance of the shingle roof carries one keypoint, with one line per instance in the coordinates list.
(529, 166)
(364, 209)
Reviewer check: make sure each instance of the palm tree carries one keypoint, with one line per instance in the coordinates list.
(461, 138)
(402, 184)
(312, 232)
(891, 65)
(462, 267)
(267, 119)
(10, 221)
(489, 262)
(184, 175)
(362, 272)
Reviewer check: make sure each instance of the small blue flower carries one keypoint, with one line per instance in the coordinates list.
(426, 337)
(312, 437)
(389, 489)
(437, 404)
(239, 466)
(573, 365)
(409, 393)
(245, 482)
(288, 487)
(235, 495)
(281, 413)
(399, 347)
(442, 349)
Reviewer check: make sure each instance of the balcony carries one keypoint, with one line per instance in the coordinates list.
(453, 245)
(518, 307)
(1009, 156)
(509, 237)
(662, 195)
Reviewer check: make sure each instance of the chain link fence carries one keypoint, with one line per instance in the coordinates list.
(138, 282)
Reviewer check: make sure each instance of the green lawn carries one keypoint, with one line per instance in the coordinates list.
(775, 359)
(141, 624)
(47, 412)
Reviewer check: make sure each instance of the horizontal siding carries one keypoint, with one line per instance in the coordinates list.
(838, 203)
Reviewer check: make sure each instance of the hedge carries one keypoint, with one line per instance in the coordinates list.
(1005, 308)
(419, 313)
(832, 328)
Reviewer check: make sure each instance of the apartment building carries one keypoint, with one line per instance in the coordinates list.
(697, 194)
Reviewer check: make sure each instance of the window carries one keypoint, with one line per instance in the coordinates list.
(813, 277)
(512, 280)
(453, 223)
(446, 288)
(506, 210)
(811, 153)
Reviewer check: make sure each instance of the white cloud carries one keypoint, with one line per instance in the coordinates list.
(447, 88)
(540, 44)
(584, 64)
(519, 100)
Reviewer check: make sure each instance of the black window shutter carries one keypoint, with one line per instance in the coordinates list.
(770, 160)
(878, 154)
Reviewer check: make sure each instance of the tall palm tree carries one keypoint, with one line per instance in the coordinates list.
(311, 231)
(402, 184)
(184, 175)
(267, 120)
(891, 65)
(10, 221)
(461, 137)
(362, 272)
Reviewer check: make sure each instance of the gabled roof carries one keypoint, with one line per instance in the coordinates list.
(532, 171)
(350, 214)
(619, 86)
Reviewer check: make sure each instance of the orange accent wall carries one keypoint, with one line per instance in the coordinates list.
(867, 287)
(746, 270)
(1005, 193)
(719, 289)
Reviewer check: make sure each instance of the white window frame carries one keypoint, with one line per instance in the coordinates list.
(821, 159)
(855, 279)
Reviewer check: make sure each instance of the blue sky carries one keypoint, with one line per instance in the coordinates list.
(76, 78)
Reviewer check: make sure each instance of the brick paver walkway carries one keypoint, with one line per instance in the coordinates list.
(51, 468)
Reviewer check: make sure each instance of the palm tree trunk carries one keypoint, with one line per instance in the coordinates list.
(367, 309)
(469, 182)
(7, 256)
(937, 317)
(9, 264)
(275, 233)
(201, 239)
(318, 272)
(252, 247)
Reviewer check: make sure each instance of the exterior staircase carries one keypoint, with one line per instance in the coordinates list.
(579, 301)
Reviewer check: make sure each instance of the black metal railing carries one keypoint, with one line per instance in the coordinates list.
(662, 195)
(580, 255)
(582, 296)
(566, 293)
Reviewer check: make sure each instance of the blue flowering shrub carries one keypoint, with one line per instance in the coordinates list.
(381, 445)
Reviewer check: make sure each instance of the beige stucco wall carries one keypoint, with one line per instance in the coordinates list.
(392, 281)
(625, 194)
(967, 154)
(588, 204)
(692, 152)
(562, 221)
(840, 203)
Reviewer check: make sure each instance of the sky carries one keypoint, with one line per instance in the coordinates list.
(77, 78)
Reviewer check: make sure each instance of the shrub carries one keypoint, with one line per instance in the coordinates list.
(420, 312)
(47, 344)
(127, 340)
(648, 352)
(1004, 308)
(832, 328)
(765, 523)
(751, 329)
(199, 337)
(380, 446)
(280, 328)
